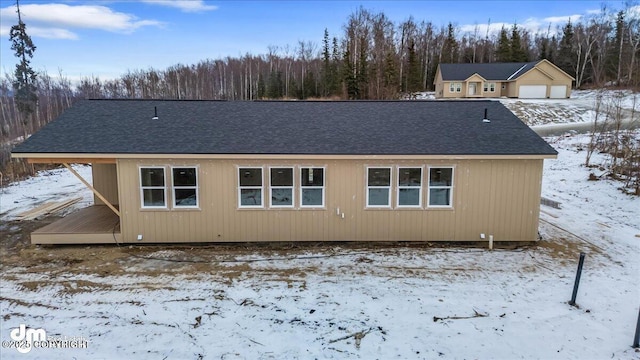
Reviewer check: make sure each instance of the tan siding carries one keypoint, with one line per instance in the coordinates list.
(105, 182)
(495, 197)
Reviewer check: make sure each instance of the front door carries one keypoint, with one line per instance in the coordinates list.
(472, 89)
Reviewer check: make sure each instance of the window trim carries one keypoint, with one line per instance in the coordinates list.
(390, 187)
(455, 87)
(419, 187)
(142, 188)
(240, 188)
(323, 187)
(292, 187)
(489, 87)
(451, 187)
(174, 187)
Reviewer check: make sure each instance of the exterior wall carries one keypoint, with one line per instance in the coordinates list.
(439, 85)
(106, 182)
(536, 77)
(495, 197)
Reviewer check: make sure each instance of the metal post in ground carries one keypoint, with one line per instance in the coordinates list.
(577, 282)
(636, 339)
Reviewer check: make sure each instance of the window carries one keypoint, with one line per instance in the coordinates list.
(378, 187)
(281, 187)
(250, 189)
(185, 187)
(312, 187)
(440, 186)
(489, 87)
(409, 187)
(455, 87)
(152, 187)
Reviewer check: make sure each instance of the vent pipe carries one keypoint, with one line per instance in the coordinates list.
(485, 119)
(155, 113)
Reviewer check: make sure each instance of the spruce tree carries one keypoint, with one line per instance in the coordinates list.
(517, 51)
(414, 78)
(566, 59)
(503, 53)
(24, 85)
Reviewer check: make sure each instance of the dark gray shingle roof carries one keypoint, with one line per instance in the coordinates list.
(489, 71)
(287, 127)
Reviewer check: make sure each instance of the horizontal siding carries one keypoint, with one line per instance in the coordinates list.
(495, 197)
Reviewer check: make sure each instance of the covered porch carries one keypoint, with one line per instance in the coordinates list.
(95, 224)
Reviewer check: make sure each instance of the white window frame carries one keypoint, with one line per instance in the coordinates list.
(451, 187)
(489, 87)
(390, 187)
(143, 188)
(399, 187)
(261, 188)
(324, 184)
(292, 187)
(455, 87)
(174, 187)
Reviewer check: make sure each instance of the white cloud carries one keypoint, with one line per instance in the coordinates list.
(562, 19)
(532, 25)
(58, 20)
(184, 5)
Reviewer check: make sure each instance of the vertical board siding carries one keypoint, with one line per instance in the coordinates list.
(494, 197)
(105, 182)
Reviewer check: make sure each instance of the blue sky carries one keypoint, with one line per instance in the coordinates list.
(107, 38)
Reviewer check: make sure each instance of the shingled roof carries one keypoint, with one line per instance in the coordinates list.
(286, 127)
(490, 71)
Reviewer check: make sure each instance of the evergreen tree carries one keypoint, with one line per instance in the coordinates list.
(450, 49)
(517, 51)
(390, 72)
(275, 88)
(414, 79)
(334, 82)
(261, 87)
(566, 59)
(362, 74)
(348, 74)
(24, 85)
(326, 65)
(503, 53)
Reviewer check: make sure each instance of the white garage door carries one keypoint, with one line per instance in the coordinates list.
(533, 91)
(558, 91)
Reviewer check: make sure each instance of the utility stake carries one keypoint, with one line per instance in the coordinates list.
(636, 340)
(575, 285)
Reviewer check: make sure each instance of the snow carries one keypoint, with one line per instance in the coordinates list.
(337, 301)
(47, 185)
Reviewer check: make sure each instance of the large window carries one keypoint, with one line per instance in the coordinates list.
(153, 187)
(409, 187)
(455, 87)
(185, 187)
(281, 187)
(440, 186)
(250, 187)
(311, 187)
(489, 87)
(378, 187)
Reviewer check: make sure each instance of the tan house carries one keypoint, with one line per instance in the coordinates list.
(217, 171)
(532, 80)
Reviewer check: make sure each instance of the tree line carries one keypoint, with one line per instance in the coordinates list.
(372, 58)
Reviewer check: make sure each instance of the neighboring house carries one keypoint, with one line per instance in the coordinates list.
(217, 171)
(532, 80)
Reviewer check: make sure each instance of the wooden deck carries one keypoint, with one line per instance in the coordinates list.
(92, 225)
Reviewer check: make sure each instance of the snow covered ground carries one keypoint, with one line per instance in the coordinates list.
(339, 301)
(49, 185)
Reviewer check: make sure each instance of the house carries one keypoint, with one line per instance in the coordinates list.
(217, 171)
(531, 80)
